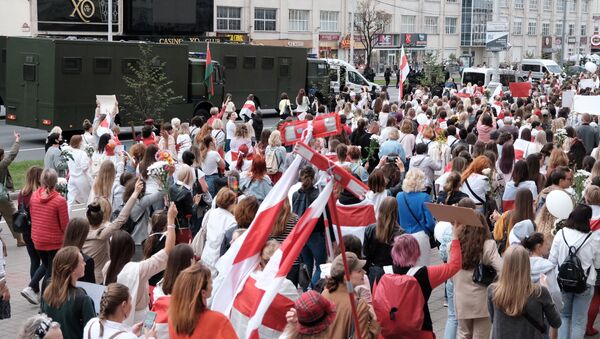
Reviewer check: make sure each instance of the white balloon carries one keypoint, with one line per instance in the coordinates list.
(559, 204)
(440, 228)
(591, 67)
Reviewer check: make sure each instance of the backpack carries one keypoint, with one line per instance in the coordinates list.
(571, 276)
(22, 219)
(271, 160)
(129, 224)
(398, 303)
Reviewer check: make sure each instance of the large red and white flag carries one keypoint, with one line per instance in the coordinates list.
(235, 266)
(355, 218)
(282, 260)
(404, 70)
(248, 109)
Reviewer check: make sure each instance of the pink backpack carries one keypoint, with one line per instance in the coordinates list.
(398, 303)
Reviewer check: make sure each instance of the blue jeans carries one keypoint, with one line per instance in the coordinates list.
(574, 314)
(210, 182)
(314, 254)
(451, 322)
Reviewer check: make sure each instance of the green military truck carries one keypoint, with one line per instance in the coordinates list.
(47, 82)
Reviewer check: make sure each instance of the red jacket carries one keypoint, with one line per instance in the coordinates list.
(49, 219)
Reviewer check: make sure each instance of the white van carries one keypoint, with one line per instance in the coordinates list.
(539, 67)
(483, 76)
(343, 74)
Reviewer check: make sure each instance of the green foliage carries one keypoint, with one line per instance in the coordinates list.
(433, 71)
(151, 92)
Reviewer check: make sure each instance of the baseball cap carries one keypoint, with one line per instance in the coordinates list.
(337, 267)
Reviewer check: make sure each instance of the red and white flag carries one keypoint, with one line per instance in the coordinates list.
(404, 70)
(240, 260)
(282, 260)
(355, 218)
(248, 109)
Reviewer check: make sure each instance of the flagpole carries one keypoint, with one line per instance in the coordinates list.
(334, 216)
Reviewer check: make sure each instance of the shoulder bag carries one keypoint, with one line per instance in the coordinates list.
(489, 204)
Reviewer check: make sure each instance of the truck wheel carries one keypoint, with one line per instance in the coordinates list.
(202, 112)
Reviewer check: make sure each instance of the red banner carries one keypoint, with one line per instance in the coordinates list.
(520, 89)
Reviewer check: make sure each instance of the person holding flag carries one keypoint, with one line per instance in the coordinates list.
(403, 73)
(208, 73)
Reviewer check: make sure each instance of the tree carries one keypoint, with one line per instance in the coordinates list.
(151, 92)
(433, 73)
(370, 23)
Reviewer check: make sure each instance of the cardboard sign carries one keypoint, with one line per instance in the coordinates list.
(519, 89)
(94, 291)
(454, 214)
(587, 83)
(107, 103)
(587, 104)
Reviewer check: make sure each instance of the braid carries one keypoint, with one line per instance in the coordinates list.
(103, 308)
(113, 296)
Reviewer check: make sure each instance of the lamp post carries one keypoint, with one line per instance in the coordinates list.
(110, 32)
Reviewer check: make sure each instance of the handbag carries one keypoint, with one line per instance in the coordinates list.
(489, 205)
(303, 277)
(4, 309)
(22, 219)
(484, 274)
(534, 323)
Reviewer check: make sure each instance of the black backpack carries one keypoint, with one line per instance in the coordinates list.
(571, 276)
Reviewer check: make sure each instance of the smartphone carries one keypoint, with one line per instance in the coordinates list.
(149, 321)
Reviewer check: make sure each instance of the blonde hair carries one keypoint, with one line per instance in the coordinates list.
(275, 139)
(285, 213)
(185, 128)
(267, 251)
(414, 181)
(592, 195)
(49, 179)
(104, 181)
(185, 175)
(394, 135)
(217, 124)
(176, 123)
(514, 286)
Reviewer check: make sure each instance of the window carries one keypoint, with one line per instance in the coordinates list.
(431, 24)
(452, 1)
(329, 21)
(571, 29)
(451, 25)
(571, 5)
(560, 5)
(265, 19)
(298, 20)
(583, 30)
(558, 28)
(102, 65)
(530, 68)
(229, 18)
(355, 78)
(407, 23)
(284, 67)
(547, 5)
(71, 65)
(230, 62)
(517, 27)
(29, 72)
(585, 6)
(545, 28)
(532, 28)
(503, 3)
(268, 63)
(519, 4)
(249, 62)
(533, 5)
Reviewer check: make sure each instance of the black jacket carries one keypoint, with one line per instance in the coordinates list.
(182, 197)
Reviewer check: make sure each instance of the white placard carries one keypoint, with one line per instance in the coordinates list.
(587, 104)
(94, 291)
(107, 103)
(567, 98)
(587, 83)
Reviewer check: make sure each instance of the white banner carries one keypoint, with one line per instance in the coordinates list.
(587, 83)
(567, 98)
(587, 104)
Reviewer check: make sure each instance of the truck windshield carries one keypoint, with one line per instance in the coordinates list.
(474, 78)
(553, 68)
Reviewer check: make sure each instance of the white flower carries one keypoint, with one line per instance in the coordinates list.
(561, 132)
(375, 137)
(61, 181)
(157, 169)
(582, 173)
(486, 171)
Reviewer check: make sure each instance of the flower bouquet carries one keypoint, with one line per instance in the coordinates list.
(65, 156)
(373, 148)
(89, 150)
(579, 183)
(560, 136)
(161, 169)
(62, 187)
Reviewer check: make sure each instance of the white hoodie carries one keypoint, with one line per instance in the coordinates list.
(541, 266)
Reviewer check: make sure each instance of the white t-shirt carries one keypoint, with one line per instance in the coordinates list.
(230, 129)
(479, 184)
(211, 163)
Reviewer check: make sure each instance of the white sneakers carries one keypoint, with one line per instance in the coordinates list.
(30, 295)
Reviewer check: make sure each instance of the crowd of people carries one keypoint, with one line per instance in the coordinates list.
(162, 213)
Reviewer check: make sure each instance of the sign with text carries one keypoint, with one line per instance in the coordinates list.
(76, 15)
(413, 40)
(496, 36)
